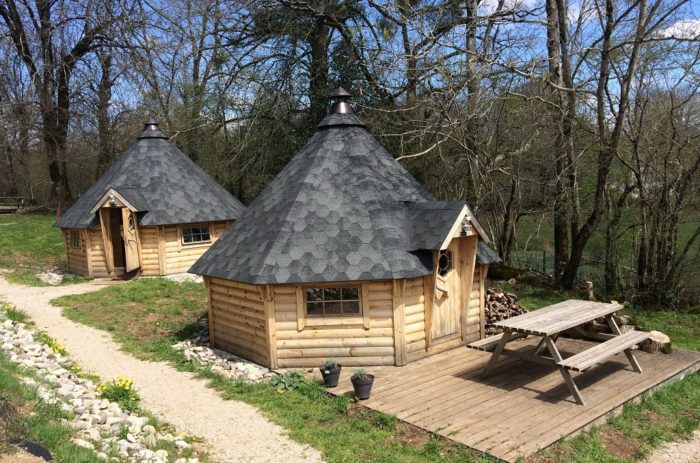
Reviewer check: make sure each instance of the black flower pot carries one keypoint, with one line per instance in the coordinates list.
(363, 386)
(331, 375)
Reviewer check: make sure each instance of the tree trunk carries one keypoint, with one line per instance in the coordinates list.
(318, 84)
(104, 95)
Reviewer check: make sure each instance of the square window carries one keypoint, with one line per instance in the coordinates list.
(192, 235)
(333, 301)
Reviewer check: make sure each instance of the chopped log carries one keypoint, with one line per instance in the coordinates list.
(657, 343)
(500, 305)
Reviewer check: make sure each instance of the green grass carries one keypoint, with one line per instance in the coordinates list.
(34, 420)
(669, 414)
(29, 245)
(145, 316)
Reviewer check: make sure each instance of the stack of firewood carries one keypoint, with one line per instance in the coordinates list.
(500, 305)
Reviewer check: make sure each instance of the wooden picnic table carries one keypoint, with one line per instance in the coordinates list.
(550, 322)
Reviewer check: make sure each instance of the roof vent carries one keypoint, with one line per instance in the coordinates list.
(340, 103)
(151, 124)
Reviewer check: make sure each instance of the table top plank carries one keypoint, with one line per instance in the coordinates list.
(558, 317)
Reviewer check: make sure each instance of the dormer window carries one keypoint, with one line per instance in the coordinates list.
(445, 262)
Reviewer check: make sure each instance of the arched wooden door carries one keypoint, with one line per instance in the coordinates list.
(131, 247)
(447, 303)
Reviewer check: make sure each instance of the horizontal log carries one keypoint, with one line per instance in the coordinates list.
(347, 362)
(415, 328)
(415, 336)
(317, 333)
(416, 346)
(336, 352)
(342, 342)
(414, 318)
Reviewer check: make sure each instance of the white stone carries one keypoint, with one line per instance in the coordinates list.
(83, 443)
(181, 444)
(50, 278)
(162, 454)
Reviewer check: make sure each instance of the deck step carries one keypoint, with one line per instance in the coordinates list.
(603, 351)
(487, 344)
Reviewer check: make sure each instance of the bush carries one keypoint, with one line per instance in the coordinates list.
(120, 390)
(287, 382)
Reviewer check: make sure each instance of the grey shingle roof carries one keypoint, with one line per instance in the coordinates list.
(485, 255)
(158, 178)
(342, 209)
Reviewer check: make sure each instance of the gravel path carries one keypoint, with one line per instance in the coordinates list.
(235, 431)
(678, 452)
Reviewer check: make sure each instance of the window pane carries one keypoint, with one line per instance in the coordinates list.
(314, 308)
(205, 236)
(333, 308)
(314, 294)
(350, 294)
(187, 238)
(351, 307)
(331, 294)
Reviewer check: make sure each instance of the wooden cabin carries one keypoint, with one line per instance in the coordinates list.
(154, 212)
(346, 256)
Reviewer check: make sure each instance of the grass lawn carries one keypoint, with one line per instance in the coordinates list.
(145, 316)
(23, 417)
(29, 245)
(149, 315)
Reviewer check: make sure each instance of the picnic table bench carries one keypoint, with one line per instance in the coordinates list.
(11, 204)
(549, 323)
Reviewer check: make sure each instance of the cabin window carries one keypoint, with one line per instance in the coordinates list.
(194, 235)
(74, 239)
(333, 301)
(445, 262)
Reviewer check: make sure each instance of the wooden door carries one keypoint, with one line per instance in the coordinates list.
(131, 247)
(447, 302)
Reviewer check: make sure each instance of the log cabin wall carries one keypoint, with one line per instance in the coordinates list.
(238, 319)
(359, 341)
(178, 257)
(161, 252)
(76, 256)
(414, 315)
(98, 258)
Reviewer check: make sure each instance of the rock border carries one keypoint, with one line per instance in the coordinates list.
(103, 426)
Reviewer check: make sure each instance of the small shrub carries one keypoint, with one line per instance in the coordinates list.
(44, 338)
(360, 374)
(330, 364)
(287, 382)
(120, 390)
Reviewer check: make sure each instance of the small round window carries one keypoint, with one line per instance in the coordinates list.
(445, 263)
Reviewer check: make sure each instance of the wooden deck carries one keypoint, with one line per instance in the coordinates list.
(522, 407)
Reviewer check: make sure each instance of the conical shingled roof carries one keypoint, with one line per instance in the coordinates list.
(164, 185)
(341, 210)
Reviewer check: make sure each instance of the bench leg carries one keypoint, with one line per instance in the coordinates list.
(628, 352)
(496, 353)
(552, 347)
(633, 360)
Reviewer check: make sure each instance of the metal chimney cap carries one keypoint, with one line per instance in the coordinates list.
(151, 124)
(339, 93)
(339, 102)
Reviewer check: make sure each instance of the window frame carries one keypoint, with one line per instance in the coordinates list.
(75, 244)
(358, 287)
(182, 229)
(452, 263)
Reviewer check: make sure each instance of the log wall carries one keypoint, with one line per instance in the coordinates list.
(76, 258)
(345, 339)
(161, 252)
(237, 319)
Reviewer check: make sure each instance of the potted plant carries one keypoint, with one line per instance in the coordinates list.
(330, 370)
(362, 382)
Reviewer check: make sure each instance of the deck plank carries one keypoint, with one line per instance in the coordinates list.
(522, 406)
